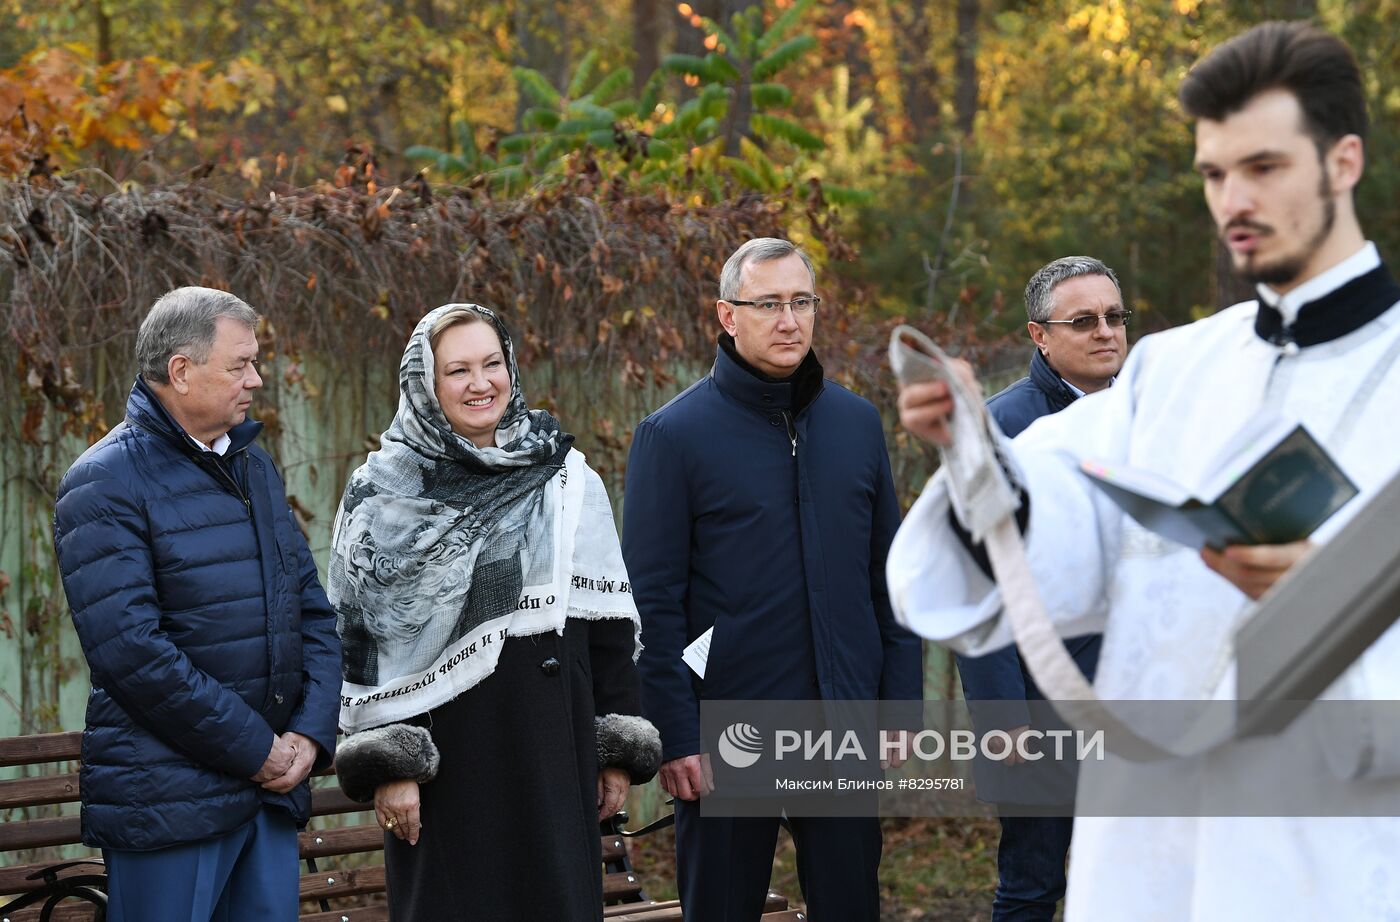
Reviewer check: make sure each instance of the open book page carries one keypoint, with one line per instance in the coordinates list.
(1148, 484)
(1275, 485)
(1255, 440)
(1188, 522)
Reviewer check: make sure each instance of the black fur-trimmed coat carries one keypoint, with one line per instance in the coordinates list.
(510, 822)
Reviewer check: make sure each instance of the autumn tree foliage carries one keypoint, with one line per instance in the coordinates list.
(61, 107)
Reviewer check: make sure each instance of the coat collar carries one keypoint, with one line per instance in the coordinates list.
(740, 380)
(1050, 383)
(144, 410)
(1334, 314)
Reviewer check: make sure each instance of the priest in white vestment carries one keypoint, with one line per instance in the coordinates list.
(1279, 143)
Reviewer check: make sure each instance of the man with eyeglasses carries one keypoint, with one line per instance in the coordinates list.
(1280, 134)
(1079, 326)
(760, 504)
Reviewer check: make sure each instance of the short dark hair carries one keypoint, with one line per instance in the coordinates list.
(1040, 290)
(1315, 66)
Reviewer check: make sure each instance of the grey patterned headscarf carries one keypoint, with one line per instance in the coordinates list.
(430, 532)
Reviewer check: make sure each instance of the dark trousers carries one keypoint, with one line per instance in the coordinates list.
(1031, 867)
(723, 865)
(250, 873)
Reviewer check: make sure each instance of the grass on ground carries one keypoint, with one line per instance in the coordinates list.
(932, 870)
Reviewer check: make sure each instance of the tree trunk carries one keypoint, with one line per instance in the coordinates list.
(386, 120)
(736, 123)
(646, 41)
(691, 40)
(540, 45)
(741, 105)
(918, 79)
(104, 33)
(965, 66)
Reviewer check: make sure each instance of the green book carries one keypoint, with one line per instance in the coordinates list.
(1272, 485)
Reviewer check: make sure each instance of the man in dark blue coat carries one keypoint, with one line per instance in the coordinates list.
(760, 503)
(1079, 326)
(214, 658)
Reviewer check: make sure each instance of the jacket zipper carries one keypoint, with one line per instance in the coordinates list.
(224, 475)
(792, 430)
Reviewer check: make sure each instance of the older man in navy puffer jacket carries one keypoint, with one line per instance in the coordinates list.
(214, 658)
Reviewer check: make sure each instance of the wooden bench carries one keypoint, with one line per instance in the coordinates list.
(342, 867)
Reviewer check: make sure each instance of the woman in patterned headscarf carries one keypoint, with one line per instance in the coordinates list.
(490, 639)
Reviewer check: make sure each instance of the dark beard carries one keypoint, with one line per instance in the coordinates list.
(1287, 270)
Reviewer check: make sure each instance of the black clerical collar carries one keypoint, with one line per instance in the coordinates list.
(745, 382)
(1335, 314)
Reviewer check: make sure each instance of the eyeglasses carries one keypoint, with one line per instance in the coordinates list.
(1087, 323)
(804, 305)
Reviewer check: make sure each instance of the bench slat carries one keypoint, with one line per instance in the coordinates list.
(322, 843)
(632, 909)
(62, 789)
(68, 911)
(42, 747)
(327, 885)
(613, 848)
(54, 830)
(662, 910)
(365, 914)
(621, 886)
(13, 883)
(41, 789)
(329, 801)
(670, 911)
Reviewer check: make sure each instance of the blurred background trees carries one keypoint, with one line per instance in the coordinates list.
(964, 142)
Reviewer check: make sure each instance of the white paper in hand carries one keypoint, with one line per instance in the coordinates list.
(698, 653)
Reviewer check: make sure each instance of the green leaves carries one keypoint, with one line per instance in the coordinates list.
(583, 74)
(694, 144)
(687, 65)
(783, 55)
(535, 87)
(610, 86)
(774, 128)
(781, 25)
(538, 119)
(770, 96)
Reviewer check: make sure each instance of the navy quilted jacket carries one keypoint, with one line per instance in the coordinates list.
(205, 627)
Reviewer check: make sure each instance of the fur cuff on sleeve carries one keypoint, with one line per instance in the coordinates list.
(629, 743)
(398, 752)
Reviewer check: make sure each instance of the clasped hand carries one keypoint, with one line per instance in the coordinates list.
(288, 763)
